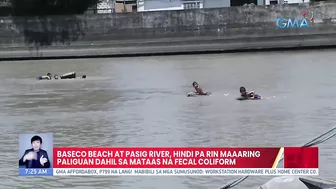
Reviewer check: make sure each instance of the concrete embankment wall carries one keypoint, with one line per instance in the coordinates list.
(235, 28)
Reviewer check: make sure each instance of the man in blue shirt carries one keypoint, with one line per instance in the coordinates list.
(35, 157)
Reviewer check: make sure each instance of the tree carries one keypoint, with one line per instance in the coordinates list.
(50, 7)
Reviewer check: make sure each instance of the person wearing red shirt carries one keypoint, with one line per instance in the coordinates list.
(199, 91)
(245, 94)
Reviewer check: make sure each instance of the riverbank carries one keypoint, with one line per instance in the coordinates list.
(163, 48)
(234, 29)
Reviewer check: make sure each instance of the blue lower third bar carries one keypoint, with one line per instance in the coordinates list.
(35, 172)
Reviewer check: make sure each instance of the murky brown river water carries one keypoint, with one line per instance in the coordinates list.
(142, 102)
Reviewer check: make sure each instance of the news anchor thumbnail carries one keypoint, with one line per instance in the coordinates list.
(35, 157)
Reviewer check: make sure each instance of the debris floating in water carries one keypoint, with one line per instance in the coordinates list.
(70, 75)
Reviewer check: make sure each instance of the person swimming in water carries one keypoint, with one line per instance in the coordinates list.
(245, 94)
(45, 77)
(199, 91)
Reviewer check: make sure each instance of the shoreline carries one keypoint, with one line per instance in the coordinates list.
(279, 49)
(168, 48)
(179, 32)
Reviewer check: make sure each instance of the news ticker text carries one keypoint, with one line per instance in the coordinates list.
(165, 172)
(176, 158)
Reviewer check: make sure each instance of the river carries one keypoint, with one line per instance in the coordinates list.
(142, 102)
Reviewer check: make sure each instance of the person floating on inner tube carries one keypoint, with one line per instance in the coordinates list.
(199, 91)
(245, 94)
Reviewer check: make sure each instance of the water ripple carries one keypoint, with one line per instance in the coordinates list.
(142, 102)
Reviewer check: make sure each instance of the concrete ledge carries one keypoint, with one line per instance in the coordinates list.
(233, 29)
(172, 48)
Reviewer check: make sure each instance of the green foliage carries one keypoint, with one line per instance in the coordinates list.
(5, 8)
(50, 7)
